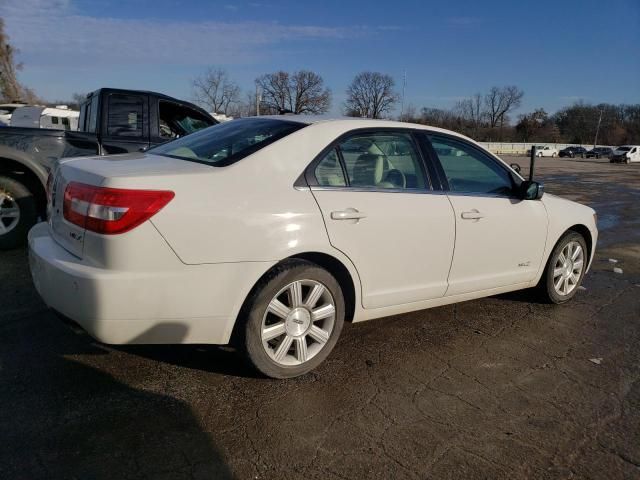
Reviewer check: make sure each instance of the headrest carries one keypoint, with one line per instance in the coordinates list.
(368, 170)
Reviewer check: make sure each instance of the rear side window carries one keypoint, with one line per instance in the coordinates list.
(124, 116)
(89, 115)
(329, 171)
(381, 160)
(228, 142)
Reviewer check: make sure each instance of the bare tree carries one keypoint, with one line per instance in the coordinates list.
(298, 92)
(246, 107)
(500, 101)
(10, 89)
(371, 95)
(216, 91)
(472, 112)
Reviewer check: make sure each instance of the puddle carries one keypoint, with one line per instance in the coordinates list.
(607, 221)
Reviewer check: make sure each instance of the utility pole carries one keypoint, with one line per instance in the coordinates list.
(595, 140)
(404, 85)
(257, 100)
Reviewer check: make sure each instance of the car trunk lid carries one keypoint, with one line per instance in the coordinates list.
(137, 171)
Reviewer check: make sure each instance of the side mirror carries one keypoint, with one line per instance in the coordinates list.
(516, 167)
(530, 190)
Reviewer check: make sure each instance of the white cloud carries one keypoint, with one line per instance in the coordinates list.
(53, 33)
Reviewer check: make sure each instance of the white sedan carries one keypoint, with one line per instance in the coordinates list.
(270, 232)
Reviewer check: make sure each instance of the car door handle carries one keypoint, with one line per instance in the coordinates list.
(472, 215)
(347, 214)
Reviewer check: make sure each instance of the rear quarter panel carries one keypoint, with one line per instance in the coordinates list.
(250, 210)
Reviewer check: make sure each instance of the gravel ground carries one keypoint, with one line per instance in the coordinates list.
(501, 387)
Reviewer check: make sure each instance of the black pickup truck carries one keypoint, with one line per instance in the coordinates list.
(111, 121)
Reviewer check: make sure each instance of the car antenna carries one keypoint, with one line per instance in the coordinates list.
(532, 163)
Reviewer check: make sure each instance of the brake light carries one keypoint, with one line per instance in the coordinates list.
(111, 210)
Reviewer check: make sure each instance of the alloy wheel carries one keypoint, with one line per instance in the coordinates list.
(9, 213)
(567, 270)
(298, 322)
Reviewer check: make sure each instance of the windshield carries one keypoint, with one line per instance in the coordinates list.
(228, 142)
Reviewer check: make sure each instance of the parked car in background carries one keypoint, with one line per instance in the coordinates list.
(111, 121)
(272, 231)
(625, 154)
(573, 152)
(599, 152)
(545, 151)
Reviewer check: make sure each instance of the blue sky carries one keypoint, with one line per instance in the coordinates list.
(449, 50)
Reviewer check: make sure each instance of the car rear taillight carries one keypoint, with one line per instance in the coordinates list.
(111, 210)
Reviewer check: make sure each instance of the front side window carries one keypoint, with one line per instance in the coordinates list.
(469, 170)
(124, 115)
(228, 142)
(385, 160)
(177, 120)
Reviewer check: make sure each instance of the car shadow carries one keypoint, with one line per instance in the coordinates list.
(217, 359)
(64, 414)
(528, 295)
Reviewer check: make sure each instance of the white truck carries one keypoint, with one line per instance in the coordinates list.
(625, 154)
(546, 151)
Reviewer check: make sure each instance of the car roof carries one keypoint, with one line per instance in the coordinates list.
(349, 123)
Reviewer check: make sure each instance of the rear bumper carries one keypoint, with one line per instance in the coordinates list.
(186, 304)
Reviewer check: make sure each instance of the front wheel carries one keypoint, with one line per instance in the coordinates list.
(554, 155)
(292, 319)
(565, 269)
(18, 213)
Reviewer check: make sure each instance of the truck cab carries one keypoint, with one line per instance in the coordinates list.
(111, 121)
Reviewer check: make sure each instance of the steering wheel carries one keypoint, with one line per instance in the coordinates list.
(396, 177)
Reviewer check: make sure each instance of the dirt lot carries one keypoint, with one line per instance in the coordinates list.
(494, 388)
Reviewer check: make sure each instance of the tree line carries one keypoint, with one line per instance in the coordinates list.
(485, 116)
(579, 123)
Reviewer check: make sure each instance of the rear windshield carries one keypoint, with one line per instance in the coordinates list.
(228, 142)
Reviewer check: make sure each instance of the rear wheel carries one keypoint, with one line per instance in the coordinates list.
(292, 320)
(18, 213)
(565, 269)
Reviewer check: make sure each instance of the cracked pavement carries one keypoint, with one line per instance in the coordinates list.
(501, 387)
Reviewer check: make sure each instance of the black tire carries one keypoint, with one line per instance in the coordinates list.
(26, 203)
(250, 322)
(546, 285)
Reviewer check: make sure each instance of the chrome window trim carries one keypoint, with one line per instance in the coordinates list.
(308, 175)
(412, 191)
